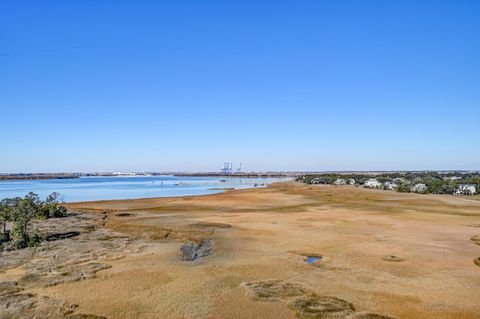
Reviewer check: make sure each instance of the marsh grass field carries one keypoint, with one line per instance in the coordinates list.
(377, 254)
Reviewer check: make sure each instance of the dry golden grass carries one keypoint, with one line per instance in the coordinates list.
(352, 228)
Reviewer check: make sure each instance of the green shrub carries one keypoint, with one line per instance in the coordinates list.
(404, 188)
(20, 212)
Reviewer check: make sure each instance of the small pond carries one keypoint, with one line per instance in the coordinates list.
(312, 259)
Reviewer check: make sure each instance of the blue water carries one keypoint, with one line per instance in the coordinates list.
(102, 188)
(311, 260)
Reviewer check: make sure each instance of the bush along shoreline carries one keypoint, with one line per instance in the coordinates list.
(415, 182)
(17, 214)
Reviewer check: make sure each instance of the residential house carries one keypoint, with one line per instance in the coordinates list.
(340, 181)
(391, 186)
(419, 188)
(372, 183)
(466, 189)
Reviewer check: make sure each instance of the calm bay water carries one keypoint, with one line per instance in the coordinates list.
(102, 188)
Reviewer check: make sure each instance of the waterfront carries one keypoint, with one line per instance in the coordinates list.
(130, 187)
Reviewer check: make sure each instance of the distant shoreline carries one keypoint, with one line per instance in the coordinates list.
(12, 177)
(273, 174)
(45, 176)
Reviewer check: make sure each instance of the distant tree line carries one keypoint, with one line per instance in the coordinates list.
(16, 215)
(435, 182)
(38, 176)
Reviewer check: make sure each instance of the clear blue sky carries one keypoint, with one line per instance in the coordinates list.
(278, 85)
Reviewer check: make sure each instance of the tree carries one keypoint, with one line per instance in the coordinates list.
(19, 212)
(52, 207)
(54, 198)
(4, 218)
(7, 214)
(26, 209)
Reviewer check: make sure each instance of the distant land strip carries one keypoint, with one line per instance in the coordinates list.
(252, 174)
(279, 174)
(38, 176)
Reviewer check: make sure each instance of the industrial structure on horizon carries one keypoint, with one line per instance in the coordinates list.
(227, 169)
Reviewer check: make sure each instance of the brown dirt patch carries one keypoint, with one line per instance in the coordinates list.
(85, 316)
(368, 316)
(393, 258)
(476, 239)
(274, 290)
(307, 254)
(210, 225)
(123, 214)
(476, 261)
(321, 307)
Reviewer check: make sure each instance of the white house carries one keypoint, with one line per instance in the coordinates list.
(391, 186)
(351, 181)
(340, 181)
(466, 189)
(419, 188)
(372, 183)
